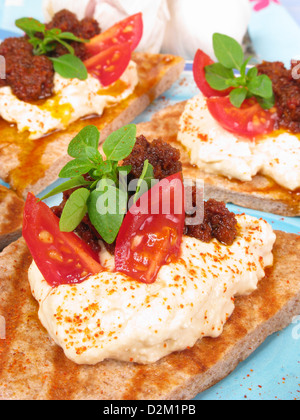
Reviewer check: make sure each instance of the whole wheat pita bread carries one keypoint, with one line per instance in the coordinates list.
(32, 367)
(11, 216)
(260, 194)
(32, 165)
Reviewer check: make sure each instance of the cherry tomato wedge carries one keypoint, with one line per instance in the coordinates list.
(202, 60)
(109, 65)
(128, 31)
(251, 120)
(152, 231)
(62, 258)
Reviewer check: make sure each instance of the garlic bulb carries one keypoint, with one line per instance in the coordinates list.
(193, 22)
(82, 8)
(177, 27)
(155, 18)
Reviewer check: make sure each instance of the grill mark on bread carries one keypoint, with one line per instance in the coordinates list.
(64, 378)
(12, 303)
(11, 219)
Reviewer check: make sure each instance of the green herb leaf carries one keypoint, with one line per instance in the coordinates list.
(261, 86)
(252, 73)
(144, 183)
(220, 76)
(237, 96)
(68, 185)
(228, 51)
(70, 67)
(107, 208)
(30, 26)
(266, 103)
(119, 144)
(74, 211)
(71, 37)
(217, 76)
(88, 136)
(76, 167)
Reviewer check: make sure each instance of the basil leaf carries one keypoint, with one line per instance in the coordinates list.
(261, 86)
(266, 103)
(106, 209)
(144, 183)
(88, 136)
(228, 51)
(67, 46)
(30, 26)
(119, 144)
(217, 76)
(74, 211)
(70, 67)
(237, 96)
(75, 168)
(71, 37)
(252, 73)
(244, 67)
(94, 155)
(68, 185)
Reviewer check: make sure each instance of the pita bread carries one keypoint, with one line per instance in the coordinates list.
(32, 367)
(260, 194)
(11, 216)
(32, 165)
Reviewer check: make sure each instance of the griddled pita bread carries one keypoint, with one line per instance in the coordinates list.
(11, 216)
(261, 193)
(31, 165)
(32, 367)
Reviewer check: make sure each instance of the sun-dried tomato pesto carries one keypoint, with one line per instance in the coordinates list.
(287, 93)
(218, 222)
(31, 77)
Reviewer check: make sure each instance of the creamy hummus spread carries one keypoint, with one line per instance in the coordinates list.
(217, 151)
(72, 99)
(110, 316)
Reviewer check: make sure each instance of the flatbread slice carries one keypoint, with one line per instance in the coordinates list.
(32, 367)
(261, 193)
(31, 165)
(11, 216)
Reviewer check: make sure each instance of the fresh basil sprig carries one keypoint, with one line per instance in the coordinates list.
(220, 76)
(68, 66)
(103, 194)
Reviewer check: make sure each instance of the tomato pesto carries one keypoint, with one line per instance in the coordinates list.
(143, 233)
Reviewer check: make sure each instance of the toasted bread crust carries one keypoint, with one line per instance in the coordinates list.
(11, 216)
(32, 367)
(260, 194)
(31, 165)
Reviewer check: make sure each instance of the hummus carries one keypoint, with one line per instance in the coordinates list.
(72, 99)
(110, 316)
(217, 151)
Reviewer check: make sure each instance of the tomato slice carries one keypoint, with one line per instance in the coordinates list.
(202, 60)
(62, 258)
(251, 120)
(128, 31)
(152, 231)
(109, 65)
